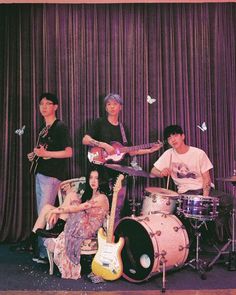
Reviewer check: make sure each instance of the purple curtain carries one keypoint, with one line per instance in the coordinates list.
(182, 55)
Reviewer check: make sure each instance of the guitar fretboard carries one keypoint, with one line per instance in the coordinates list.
(138, 147)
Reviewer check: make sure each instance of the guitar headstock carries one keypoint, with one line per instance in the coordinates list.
(118, 183)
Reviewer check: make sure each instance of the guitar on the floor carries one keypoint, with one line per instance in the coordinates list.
(107, 262)
(98, 155)
(34, 162)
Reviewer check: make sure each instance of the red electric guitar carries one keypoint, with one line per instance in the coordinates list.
(98, 155)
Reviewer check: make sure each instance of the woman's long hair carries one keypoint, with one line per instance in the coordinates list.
(103, 186)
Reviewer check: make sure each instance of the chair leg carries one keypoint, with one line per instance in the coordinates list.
(51, 262)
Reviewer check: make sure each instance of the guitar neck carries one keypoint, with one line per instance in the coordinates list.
(112, 220)
(138, 147)
(116, 190)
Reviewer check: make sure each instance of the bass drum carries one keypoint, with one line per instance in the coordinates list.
(150, 240)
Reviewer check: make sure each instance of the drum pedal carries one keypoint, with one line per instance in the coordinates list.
(232, 261)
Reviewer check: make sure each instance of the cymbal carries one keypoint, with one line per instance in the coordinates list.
(227, 179)
(129, 170)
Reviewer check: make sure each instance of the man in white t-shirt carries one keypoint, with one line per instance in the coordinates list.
(188, 166)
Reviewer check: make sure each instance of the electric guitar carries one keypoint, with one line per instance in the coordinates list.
(98, 155)
(107, 262)
(34, 162)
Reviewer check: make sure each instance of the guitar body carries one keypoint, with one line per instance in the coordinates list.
(107, 262)
(98, 155)
(34, 163)
(42, 134)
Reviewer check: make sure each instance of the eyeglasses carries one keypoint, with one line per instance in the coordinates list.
(46, 104)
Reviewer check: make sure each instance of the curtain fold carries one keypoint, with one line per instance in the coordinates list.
(182, 55)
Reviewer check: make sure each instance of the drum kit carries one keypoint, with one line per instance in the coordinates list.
(157, 241)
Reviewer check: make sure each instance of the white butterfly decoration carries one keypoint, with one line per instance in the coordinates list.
(203, 127)
(150, 100)
(20, 131)
(135, 165)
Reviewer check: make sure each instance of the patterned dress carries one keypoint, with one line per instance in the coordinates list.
(66, 247)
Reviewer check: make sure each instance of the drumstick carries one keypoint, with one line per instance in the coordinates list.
(168, 179)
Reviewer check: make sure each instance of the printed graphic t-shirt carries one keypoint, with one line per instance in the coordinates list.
(187, 168)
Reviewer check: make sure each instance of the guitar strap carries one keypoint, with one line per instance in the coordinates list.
(122, 130)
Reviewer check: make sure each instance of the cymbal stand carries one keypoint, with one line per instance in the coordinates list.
(134, 204)
(163, 263)
(232, 253)
(197, 263)
(133, 198)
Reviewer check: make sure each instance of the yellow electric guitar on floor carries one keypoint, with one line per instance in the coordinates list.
(107, 262)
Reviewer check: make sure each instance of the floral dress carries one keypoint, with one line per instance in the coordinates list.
(66, 247)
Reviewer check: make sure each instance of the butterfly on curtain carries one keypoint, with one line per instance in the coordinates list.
(135, 164)
(150, 100)
(203, 127)
(20, 131)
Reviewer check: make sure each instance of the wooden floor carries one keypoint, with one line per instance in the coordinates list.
(167, 292)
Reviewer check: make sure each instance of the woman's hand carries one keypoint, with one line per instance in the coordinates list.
(52, 218)
(90, 204)
(86, 205)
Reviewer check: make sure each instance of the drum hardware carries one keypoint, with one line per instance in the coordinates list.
(157, 233)
(134, 203)
(163, 263)
(143, 218)
(231, 242)
(197, 263)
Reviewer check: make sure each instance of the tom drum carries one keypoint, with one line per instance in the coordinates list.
(157, 199)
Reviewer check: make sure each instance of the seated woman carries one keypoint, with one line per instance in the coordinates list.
(83, 219)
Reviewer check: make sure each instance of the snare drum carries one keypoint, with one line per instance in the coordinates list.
(148, 241)
(198, 207)
(157, 199)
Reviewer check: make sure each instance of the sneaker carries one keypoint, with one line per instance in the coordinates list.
(40, 260)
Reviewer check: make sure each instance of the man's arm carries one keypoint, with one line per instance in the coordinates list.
(88, 140)
(66, 153)
(151, 150)
(165, 172)
(156, 172)
(206, 185)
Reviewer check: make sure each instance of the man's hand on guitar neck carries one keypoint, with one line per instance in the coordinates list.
(155, 148)
(150, 150)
